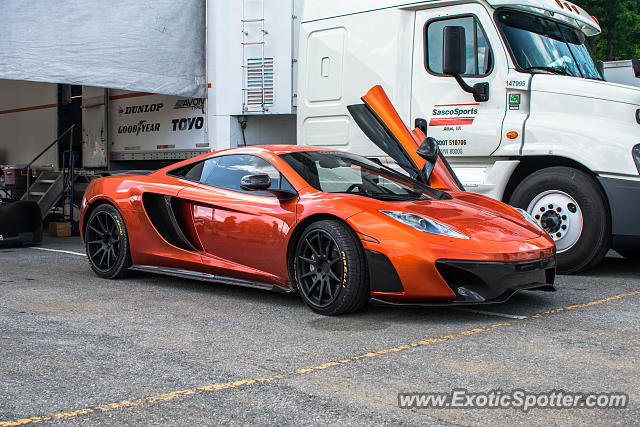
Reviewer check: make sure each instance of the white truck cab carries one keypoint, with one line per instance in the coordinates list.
(509, 90)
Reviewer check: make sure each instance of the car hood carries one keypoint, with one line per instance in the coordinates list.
(475, 216)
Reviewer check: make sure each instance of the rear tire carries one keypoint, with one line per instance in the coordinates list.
(329, 269)
(107, 243)
(570, 206)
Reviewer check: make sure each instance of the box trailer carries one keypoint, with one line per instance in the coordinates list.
(623, 72)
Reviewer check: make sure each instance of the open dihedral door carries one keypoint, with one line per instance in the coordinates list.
(380, 121)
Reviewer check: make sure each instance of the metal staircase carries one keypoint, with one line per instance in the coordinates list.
(51, 186)
(46, 190)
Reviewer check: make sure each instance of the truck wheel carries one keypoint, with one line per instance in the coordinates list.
(570, 206)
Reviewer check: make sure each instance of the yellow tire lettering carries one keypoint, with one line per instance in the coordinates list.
(344, 274)
(119, 226)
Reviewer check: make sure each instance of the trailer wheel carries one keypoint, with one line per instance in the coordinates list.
(570, 206)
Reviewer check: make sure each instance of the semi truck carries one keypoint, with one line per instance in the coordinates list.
(523, 115)
(508, 88)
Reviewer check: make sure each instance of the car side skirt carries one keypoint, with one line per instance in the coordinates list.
(206, 277)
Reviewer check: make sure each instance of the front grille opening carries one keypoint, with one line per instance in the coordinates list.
(458, 278)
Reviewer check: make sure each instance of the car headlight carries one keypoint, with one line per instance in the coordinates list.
(636, 155)
(426, 225)
(529, 218)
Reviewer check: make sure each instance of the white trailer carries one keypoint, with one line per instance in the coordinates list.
(623, 72)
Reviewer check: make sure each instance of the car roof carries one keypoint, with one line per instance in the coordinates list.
(283, 149)
(275, 149)
(250, 149)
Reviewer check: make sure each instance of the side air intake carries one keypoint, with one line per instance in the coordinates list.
(161, 211)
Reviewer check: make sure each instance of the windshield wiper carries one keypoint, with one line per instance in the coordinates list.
(385, 196)
(555, 70)
(388, 196)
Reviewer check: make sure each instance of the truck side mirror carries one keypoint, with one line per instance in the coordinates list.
(454, 54)
(635, 63)
(454, 61)
(600, 67)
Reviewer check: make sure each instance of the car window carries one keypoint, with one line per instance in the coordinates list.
(227, 172)
(479, 56)
(338, 172)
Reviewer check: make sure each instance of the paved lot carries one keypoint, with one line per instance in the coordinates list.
(78, 350)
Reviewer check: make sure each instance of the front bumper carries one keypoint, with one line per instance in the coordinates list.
(476, 282)
(485, 282)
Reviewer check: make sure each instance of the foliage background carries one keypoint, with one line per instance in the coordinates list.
(620, 22)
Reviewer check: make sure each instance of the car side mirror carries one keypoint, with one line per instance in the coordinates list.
(635, 63)
(429, 151)
(454, 61)
(255, 182)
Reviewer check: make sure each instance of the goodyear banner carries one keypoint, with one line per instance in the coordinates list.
(156, 123)
(139, 45)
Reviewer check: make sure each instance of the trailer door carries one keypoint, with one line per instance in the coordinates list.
(462, 126)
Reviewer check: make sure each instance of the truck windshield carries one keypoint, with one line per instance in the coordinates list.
(541, 45)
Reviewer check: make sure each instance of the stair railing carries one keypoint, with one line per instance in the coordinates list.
(48, 147)
(69, 180)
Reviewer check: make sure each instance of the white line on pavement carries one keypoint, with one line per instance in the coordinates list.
(492, 313)
(60, 250)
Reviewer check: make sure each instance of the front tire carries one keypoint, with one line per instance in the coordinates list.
(107, 243)
(570, 206)
(330, 270)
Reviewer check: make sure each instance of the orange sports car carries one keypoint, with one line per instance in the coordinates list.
(337, 228)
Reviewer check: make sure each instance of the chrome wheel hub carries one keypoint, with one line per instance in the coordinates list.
(559, 215)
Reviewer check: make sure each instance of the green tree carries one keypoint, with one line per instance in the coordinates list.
(620, 23)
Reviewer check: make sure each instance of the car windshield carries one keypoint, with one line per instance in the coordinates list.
(337, 172)
(541, 45)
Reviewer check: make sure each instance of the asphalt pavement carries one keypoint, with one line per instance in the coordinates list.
(80, 350)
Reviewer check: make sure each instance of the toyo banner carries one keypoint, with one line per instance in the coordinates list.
(147, 123)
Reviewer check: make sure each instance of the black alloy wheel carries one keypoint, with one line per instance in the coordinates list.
(107, 244)
(329, 269)
(320, 268)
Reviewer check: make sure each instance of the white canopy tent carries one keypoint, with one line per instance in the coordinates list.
(155, 46)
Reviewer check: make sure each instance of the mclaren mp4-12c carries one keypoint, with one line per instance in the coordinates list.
(339, 229)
